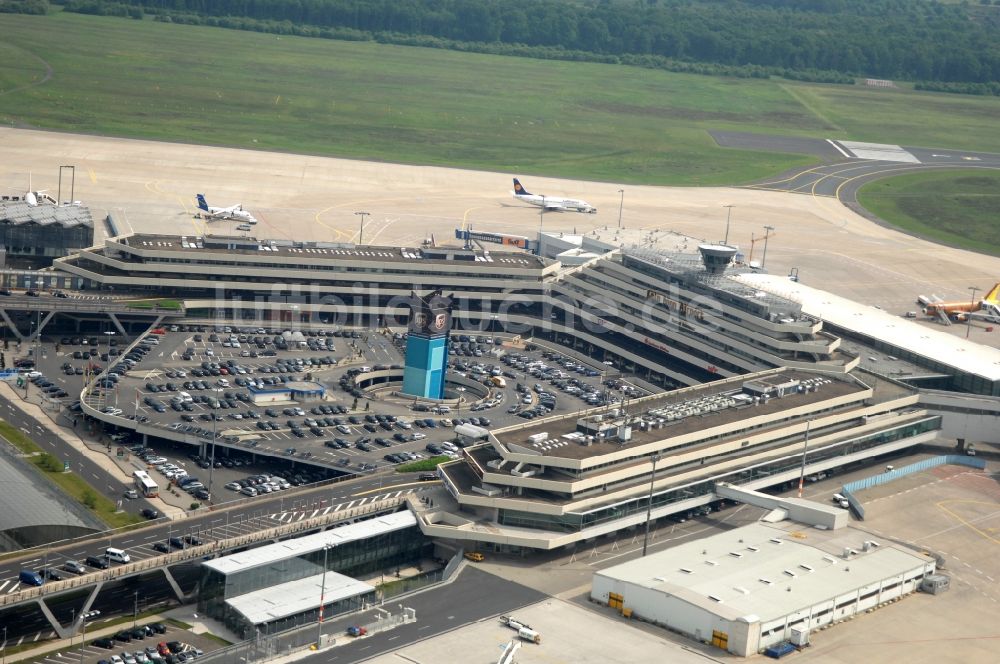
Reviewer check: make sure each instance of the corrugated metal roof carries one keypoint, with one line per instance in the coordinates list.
(762, 570)
(45, 215)
(300, 546)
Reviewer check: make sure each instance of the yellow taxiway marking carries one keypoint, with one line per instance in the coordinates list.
(319, 221)
(814, 169)
(965, 523)
(906, 169)
(93, 177)
(154, 186)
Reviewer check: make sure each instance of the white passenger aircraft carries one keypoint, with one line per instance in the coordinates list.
(551, 203)
(235, 212)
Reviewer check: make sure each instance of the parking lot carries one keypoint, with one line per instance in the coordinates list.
(148, 643)
(198, 381)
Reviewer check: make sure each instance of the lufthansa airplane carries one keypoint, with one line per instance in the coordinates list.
(551, 203)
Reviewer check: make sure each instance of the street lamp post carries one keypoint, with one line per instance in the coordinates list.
(83, 623)
(729, 214)
(972, 306)
(621, 204)
(135, 610)
(361, 231)
(649, 504)
(3, 651)
(322, 597)
(215, 428)
(767, 234)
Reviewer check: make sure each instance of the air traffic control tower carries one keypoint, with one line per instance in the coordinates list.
(427, 345)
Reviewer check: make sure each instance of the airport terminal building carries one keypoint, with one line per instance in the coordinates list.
(673, 318)
(564, 480)
(278, 586)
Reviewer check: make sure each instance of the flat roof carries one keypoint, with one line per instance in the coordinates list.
(556, 446)
(251, 246)
(766, 570)
(292, 548)
(936, 346)
(294, 597)
(308, 386)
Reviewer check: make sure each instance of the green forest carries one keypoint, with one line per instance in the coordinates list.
(946, 46)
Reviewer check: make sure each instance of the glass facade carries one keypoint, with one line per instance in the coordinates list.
(37, 244)
(386, 550)
(575, 522)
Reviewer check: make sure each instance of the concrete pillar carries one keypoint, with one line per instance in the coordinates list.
(66, 632)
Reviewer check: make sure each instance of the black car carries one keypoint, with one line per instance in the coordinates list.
(161, 547)
(150, 513)
(94, 561)
(125, 636)
(158, 628)
(50, 574)
(177, 542)
(193, 540)
(104, 642)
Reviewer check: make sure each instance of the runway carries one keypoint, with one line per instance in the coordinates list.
(852, 164)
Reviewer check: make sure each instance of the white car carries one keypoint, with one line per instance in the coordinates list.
(110, 410)
(419, 436)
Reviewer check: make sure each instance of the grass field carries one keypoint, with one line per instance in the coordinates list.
(428, 106)
(955, 208)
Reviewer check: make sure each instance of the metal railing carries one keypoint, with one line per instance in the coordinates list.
(199, 551)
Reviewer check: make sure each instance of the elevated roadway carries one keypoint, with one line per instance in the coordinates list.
(245, 524)
(79, 304)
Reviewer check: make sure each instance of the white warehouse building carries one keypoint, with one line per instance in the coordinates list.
(762, 584)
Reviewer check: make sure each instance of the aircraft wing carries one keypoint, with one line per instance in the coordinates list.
(554, 206)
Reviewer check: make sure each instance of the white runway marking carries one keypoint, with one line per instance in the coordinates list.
(880, 152)
(838, 148)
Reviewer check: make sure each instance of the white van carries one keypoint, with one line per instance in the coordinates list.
(840, 500)
(223, 382)
(117, 555)
(185, 397)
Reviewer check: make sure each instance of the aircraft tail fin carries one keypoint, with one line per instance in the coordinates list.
(994, 294)
(202, 205)
(519, 189)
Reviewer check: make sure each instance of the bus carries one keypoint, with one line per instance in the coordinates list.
(145, 485)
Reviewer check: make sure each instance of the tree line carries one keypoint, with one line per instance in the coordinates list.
(834, 40)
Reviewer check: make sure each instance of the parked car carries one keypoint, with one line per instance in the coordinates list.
(98, 562)
(75, 567)
(51, 574)
(104, 642)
